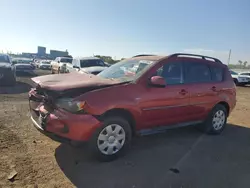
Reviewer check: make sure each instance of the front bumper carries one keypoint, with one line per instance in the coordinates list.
(63, 126)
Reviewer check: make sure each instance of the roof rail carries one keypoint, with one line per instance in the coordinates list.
(143, 55)
(195, 55)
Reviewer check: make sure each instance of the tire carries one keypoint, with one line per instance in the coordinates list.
(58, 71)
(236, 82)
(213, 125)
(52, 72)
(109, 151)
(11, 81)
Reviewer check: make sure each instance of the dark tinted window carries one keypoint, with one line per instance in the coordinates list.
(217, 73)
(172, 72)
(246, 74)
(92, 63)
(66, 60)
(4, 58)
(197, 72)
(233, 73)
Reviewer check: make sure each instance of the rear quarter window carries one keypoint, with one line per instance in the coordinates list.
(217, 73)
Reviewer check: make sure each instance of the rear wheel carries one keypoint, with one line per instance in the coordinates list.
(11, 81)
(216, 120)
(236, 81)
(58, 71)
(52, 72)
(112, 139)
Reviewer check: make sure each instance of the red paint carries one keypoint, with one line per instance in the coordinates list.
(149, 106)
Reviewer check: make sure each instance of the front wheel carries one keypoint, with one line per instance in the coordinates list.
(216, 120)
(112, 139)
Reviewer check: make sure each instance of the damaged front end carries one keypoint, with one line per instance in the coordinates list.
(58, 115)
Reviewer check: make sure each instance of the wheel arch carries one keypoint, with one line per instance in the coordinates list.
(226, 105)
(121, 112)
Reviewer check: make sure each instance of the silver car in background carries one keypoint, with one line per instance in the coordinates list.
(90, 65)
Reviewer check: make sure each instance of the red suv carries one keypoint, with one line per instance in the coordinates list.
(141, 95)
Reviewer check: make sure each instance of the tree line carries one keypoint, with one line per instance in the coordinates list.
(240, 65)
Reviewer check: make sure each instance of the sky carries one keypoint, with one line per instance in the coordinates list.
(120, 28)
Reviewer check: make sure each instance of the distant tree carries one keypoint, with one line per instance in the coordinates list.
(240, 62)
(245, 64)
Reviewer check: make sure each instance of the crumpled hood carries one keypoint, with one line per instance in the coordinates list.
(5, 65)
(93, 69)
(73, 80)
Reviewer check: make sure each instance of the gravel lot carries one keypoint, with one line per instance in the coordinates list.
(178, 158)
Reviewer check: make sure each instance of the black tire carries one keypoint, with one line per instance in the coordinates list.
(93, 144)
(209, 125)
(11, 81)
(58, 71)
(52, 72)
(236, 82)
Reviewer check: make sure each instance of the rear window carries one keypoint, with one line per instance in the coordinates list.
(92, 63)
(4, 58)
(217, 73)
(233, 73)
(66, 60)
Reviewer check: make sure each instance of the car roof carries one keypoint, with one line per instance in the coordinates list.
(149, 57)
(86, 58)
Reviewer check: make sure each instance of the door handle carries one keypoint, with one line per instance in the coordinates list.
(213, 88)
(183, 92)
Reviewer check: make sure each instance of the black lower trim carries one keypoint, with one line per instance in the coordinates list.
(160, 129)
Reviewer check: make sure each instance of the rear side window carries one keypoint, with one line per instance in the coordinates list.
(245, 74)
(197, 72)
(217, 73)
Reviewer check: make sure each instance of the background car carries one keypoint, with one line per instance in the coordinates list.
(240, 79)
(7, 70)
(91, 65)
(45, 65)
(59, 64)
(23, 65)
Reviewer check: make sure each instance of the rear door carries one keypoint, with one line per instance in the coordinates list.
(203, 88)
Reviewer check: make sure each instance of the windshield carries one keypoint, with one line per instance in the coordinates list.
(66, 60)
(22, 61)
(92, 63)
(4, 59)
(46, 62)
(233, 73)
(127, 70)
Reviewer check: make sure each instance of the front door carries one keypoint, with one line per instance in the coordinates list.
(168, 105)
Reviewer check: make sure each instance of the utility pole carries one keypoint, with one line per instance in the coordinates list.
(229, 56)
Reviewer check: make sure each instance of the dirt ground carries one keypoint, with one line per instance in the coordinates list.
(178, 158)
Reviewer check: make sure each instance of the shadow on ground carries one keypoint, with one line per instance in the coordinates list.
(177, 158)
(20, 87)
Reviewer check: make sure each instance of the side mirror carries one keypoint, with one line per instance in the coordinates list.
(157, 81)
(58, 61)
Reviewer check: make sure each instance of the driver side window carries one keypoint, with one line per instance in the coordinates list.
(172, 73)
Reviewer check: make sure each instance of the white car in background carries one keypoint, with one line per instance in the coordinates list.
(90, 65)
(44, 65)
(59, 64)
(240, 78)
